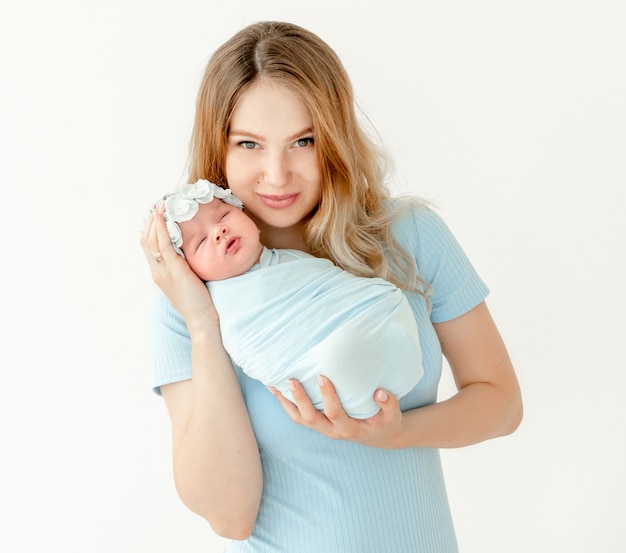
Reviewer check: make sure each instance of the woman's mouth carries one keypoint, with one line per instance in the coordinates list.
(279, 201)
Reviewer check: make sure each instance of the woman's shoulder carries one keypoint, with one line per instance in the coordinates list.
(416, 224)
(440, 259)
(170, 343)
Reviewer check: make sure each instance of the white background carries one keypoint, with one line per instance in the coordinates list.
(509, 116)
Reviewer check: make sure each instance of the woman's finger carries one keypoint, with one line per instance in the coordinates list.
(332, 404)
(148, 240)
(163, 241)
(147, 231)
(389, 407)
(290, 408)
(159, 249)
(309, 415)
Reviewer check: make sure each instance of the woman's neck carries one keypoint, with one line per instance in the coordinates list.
(283, 238)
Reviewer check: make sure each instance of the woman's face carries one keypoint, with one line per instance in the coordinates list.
(271, 162)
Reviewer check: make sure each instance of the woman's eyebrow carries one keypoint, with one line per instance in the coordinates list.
(247, 134)
(303, 132)
(244, 133)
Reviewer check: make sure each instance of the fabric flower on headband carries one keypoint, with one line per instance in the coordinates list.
(183, 204)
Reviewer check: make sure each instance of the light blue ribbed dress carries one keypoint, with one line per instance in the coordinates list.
(323, 495)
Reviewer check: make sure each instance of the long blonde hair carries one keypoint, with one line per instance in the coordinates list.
(351, 225)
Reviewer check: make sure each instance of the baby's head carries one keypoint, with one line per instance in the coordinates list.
(207, 226)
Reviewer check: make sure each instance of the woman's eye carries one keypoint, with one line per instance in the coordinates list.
(248, 145)
(304, 142)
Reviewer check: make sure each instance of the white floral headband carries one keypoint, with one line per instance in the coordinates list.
(183, 204)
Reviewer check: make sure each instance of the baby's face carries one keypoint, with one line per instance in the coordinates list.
(220, 242)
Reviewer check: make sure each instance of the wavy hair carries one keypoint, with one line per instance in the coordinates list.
(351, 225)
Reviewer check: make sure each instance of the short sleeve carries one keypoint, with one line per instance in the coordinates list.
(170, 343)
(456, 286)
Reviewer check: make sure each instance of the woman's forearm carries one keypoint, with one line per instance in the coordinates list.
(488, 403)
(217, 467)
(478, 412)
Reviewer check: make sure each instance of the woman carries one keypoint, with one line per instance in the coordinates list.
(275, 123)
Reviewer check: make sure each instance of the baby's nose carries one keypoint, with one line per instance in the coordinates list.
(221, 232)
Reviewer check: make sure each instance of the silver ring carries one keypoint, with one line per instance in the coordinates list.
(157, 256)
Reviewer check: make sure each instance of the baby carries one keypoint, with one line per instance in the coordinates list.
(286, 314)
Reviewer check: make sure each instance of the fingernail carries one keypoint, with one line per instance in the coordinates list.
(382, 395)
(292, 385)
(321, 380)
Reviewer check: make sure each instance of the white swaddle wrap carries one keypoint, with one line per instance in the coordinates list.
(296, 316)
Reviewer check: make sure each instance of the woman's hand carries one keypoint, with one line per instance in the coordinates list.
(382, 430)
(174, 276)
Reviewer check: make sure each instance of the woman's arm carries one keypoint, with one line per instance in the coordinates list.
(488, 403)
(216, 462)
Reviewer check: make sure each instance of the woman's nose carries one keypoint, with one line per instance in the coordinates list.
(277, 170)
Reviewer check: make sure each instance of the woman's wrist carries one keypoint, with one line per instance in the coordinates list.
(205, 334)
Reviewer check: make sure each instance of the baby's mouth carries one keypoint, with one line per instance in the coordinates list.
(232, 245)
